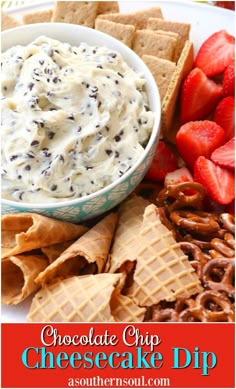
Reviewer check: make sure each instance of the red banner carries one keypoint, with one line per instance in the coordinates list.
(118, 355)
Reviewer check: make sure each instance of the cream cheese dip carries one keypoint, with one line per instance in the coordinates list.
(74, 120)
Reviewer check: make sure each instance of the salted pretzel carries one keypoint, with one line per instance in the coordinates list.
(218, 274)
(209, 306)
(228, 222)
(177, 196)
(196, 222)
(221, 247)
(198, 258)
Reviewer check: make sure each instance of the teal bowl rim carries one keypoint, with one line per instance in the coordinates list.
(129, 55)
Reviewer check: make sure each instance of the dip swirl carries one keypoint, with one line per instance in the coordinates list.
(74, 120)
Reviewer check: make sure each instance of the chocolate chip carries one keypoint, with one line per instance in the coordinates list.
(34, 143)
(109, 152)
(71, 189)
(117, 154)
(19, 177)
(147, 108)
(53, 187)
(139, 121)
(119, 74)
(41, 61)
(51, 134)
(30, 155)
(113, 55)
(117, 138)
(61, 158)
(28, 167)
(79, 128)
(99, 67)
(116, 82)
(13, 157)
(71, 117)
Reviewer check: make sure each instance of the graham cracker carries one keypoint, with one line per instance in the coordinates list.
(75, 12)
(38, 17)
(150, 43)
(106, 7)
(162, 71)
(138, 19)
(173, 35)
(122, 32)
(182, 29)
(8, 21)
(184, 65)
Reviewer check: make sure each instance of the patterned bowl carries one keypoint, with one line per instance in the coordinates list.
(81, 209)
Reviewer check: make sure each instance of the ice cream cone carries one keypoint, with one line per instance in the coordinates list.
(163, 271)
(125, 240)
(23, 232)
(75, 299)
(87, 255)
(18, 275)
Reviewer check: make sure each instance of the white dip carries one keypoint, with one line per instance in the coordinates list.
(74, 120)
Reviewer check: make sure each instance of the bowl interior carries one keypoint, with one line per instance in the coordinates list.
(74, 34)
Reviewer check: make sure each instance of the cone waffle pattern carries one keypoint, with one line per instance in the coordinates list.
(75, 299)
(92, 247)
(125, 310)
(130, 220)
(163, 271)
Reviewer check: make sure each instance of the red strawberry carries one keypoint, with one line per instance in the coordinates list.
(178, 176)
(226, 4)
(225, 116)
(224, 155)
(164, 162)
(229, 80)
(198, 138)
(216, 53)
(199, 96)
(218, 181)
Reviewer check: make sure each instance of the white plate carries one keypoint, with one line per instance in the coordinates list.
(205, 20)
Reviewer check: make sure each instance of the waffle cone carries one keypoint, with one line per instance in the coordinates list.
(87, 255)
(75, 299)
(23, 232)
(55, 250)
(18, 275)
(129, 223)
(124, 309)
(163, 271)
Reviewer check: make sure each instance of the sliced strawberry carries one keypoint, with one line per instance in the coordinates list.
(216, 53)
(225, 116)
(198, 138)
(178, 176)
(199, 96)
(218, 181)
(164, 162)
(226, 4)
(224, 155)
(229, 80)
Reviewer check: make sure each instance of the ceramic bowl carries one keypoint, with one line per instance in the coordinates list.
(81, 209)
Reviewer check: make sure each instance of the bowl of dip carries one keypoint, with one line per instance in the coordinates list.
(80, 121)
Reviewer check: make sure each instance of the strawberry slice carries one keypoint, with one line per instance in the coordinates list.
(224, 155)
(199, 96)
(164, 162)
(198, 138)
(229, 80)
(218, 181)
(225, 116)
(178, 176)
(216, 53)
